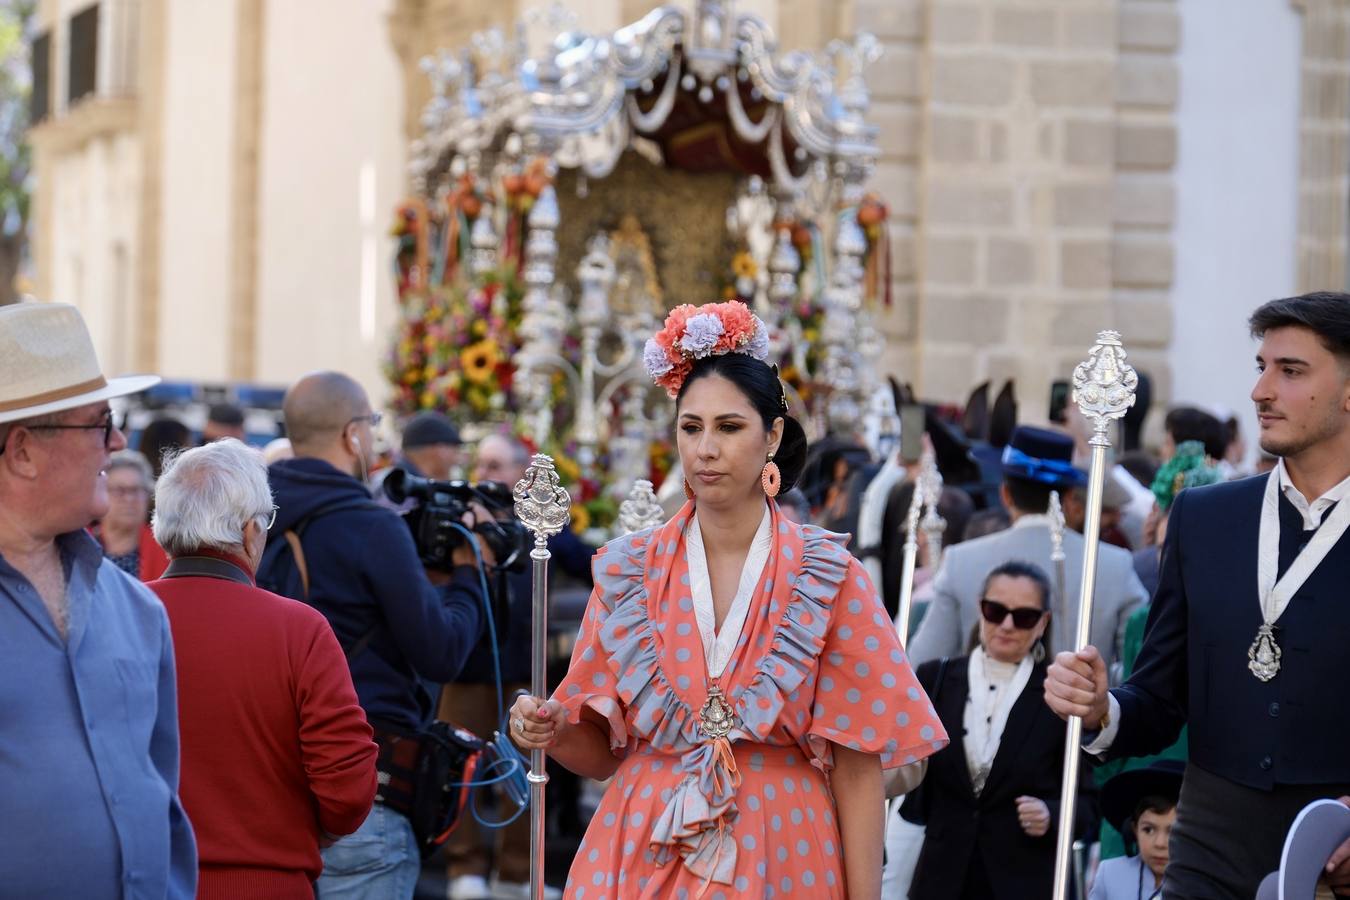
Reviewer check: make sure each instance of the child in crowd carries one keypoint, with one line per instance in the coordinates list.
(1142, 804)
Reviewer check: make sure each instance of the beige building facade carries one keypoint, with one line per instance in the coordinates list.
(219, 203)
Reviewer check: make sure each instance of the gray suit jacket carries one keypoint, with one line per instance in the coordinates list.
(946, 627)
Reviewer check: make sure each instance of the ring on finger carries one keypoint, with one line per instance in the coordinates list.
(520, 725)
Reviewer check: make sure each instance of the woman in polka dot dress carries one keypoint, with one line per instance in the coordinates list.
(736, 673)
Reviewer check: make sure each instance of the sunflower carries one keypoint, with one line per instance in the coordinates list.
(568, 469)
(479, 361)
(743, 264)
(581, 517)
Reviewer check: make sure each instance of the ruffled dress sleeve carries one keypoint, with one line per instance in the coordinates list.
(591, 681)
(867, 697)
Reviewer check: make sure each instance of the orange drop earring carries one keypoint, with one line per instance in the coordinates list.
(771, 479)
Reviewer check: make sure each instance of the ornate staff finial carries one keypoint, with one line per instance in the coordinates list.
(932, 524)
(1056, 528)
(542, 503)
(641, 510)
(1104, 385)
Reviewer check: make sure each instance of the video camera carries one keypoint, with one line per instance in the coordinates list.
(441, 505)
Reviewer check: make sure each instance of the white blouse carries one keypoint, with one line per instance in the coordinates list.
(719, 645)
(994, 688)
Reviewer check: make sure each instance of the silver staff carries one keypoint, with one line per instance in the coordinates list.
(1057, 552)
(542, 505)
(1103, 388)
(911, 555)
(933, 524)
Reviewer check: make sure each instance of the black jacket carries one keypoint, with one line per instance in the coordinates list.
(1193, 665)
(960, 825)
(571, 556)
(365, 577)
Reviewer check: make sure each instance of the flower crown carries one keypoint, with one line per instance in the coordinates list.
(693, 332)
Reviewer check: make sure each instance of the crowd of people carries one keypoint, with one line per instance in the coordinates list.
(741, 682)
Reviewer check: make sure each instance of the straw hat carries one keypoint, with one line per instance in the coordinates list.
(47, 363)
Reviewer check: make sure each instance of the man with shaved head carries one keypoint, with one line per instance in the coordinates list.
(355, 561)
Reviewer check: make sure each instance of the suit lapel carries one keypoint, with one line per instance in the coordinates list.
(1231, 553)
(1021, 721)
(951, 709)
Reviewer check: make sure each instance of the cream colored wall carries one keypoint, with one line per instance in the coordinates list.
(332, 170)
(198, 123)
(95, 193)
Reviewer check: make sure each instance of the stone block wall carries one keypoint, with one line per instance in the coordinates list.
(1324, 135)
(1027, 155)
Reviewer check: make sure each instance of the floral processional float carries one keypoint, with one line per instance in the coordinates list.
(511, 319)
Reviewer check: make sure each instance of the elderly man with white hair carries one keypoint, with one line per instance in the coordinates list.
(268, 715)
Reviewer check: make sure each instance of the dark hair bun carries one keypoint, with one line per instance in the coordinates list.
(791, 455)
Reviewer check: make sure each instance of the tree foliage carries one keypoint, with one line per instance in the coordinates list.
(16, 86)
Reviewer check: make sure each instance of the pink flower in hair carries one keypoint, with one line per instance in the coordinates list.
(695, 332)
(738, 322)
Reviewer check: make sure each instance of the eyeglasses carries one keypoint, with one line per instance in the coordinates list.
(106, 426)
(373, 418)
(134, 490)
(1023, 618)
(271, 519)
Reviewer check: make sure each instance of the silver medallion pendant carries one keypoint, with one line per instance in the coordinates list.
(717, 716)
(1263, 656)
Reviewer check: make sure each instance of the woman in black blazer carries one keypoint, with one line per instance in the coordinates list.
(990, 800)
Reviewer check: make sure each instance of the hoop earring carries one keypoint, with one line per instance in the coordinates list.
(771, 479)
(688, 491)
(1038, 654)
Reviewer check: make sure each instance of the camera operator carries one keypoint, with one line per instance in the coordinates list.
(357, 564)
(471, 701)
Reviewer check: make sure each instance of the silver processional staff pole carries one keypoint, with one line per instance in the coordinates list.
(542, 505)
(1103, 388)
(911, 557)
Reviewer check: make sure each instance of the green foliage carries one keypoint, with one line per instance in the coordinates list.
(16, 86)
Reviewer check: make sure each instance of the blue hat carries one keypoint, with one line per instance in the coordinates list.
(1041, 456)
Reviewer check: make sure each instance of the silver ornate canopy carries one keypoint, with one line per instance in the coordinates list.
(550, 98)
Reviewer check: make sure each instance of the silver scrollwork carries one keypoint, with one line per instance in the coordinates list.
(1104, 385)
(932, 525)
(542, 503)
(641, 510)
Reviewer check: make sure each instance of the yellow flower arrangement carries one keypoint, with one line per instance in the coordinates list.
(568, 469)
(479, 361)
(581, 518)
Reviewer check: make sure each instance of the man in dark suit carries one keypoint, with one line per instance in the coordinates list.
(1245, 635)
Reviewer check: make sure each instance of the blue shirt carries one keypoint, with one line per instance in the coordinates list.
(89, 740)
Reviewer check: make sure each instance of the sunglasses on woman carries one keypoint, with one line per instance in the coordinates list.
(1023, 618)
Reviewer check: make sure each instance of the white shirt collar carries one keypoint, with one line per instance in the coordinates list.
(1312, 513)
(719, 645)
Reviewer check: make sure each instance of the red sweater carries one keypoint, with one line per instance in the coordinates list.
(274, 745)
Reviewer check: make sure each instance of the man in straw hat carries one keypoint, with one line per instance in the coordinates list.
(89, 742)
